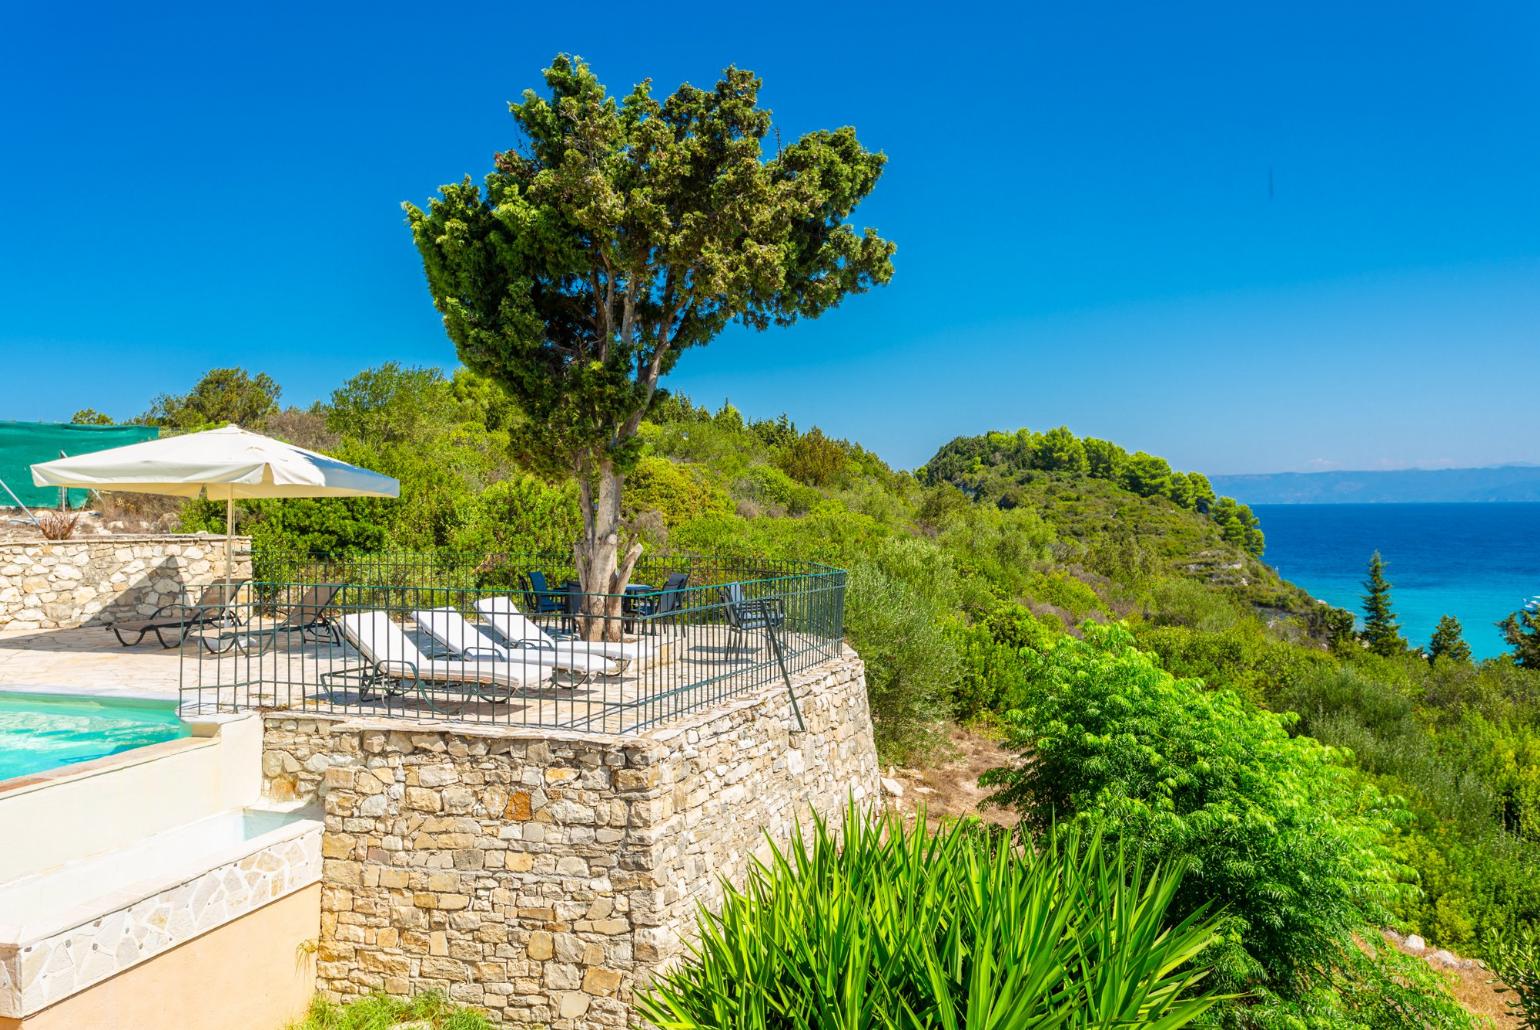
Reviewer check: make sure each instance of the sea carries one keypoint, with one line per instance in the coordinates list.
(1477, 562)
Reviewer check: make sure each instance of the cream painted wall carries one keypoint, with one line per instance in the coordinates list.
(253, 973)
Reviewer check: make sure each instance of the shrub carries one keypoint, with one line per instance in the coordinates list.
(814, 459)
(911, 667)
(674, 491)
(1282, 836)
(769, 486)
(520, 515)
(901, 928)
(1515, 958)
(56, 525)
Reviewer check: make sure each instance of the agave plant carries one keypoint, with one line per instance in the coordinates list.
(957, 929)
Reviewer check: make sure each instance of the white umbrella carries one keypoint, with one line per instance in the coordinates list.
(226, 464)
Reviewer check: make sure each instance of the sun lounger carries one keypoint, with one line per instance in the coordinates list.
(519, 630)
(448, 627)
(308, 618)
(394, 662)
(214, 608)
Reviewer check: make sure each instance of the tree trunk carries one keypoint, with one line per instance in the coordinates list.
(602, 572)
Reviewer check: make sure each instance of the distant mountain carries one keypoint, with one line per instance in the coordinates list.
(1400, 486)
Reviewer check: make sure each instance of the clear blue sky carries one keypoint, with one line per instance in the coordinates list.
(1080, 193)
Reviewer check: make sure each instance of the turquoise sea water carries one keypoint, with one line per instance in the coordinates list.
(44, 731)
(1477, 562)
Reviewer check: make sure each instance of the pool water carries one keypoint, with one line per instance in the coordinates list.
(45, 731)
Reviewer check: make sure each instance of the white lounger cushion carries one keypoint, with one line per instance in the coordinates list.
(385, 646)
(513, 625)
(449, 627)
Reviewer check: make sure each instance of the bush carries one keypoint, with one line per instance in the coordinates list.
(520, 515)
(1515, 958)
(674, 491)
(769, 487)
(901, 928)
(1282, 836)
(814, 459)
(911, 667)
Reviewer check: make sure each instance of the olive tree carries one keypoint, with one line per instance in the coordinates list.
(619, 233)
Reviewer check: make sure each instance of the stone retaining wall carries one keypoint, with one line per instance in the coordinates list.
(99, 580)
(544, 876)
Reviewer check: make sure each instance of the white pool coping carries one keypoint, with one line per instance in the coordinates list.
(54, 952)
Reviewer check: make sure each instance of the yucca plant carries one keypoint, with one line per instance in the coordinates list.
(900, 928)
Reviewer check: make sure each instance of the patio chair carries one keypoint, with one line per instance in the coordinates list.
(214, 608)
(746, 615)
(541, 599)
(654, 608)
(519, 631)
(307, 617)
(394, 664)
(449, 628)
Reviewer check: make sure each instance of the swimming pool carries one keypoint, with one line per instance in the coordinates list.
(44, 731)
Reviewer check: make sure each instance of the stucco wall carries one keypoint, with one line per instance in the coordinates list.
(99, 580)
(544, 876)
(255, 971)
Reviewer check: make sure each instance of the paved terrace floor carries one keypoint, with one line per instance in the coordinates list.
(689, 668)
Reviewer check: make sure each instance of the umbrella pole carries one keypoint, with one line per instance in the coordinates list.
(229, 535)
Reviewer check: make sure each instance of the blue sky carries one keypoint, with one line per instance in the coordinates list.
(1080, 194)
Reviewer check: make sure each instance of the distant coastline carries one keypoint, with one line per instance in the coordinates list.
(1496, 484)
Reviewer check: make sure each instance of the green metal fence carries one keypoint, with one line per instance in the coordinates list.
(512, 641)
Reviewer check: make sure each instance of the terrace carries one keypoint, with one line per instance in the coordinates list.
(444, 637)
(292, 641)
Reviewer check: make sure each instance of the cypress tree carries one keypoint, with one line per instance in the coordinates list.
(1522, 631)
(1448, 641)
(1381, 631)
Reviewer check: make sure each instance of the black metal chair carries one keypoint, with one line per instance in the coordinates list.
(214, 608)
(308, 617)
(747, 615)
(541, 599)
(657, 605)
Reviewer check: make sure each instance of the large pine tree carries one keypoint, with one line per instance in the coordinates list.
(1522, 631)
(1381, 630)
(1448, 641)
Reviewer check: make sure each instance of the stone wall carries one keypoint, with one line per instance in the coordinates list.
(99, 580)
(544, 876)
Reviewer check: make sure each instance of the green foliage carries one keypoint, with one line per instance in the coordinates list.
(1281, 835)
(1448, 641)
(896, 609)
(1058, 450)
(995, 653)
(813, 459)
(1382, 633)
(90, 417)
(391, 405)
(899, 928)
(622, 232)
(431, 1010)
(1515, 958)
(1238, 524)
(774, 491)
(674, 491)
(222, 396)
(1522, 632)
(521, 516)
(995, 465)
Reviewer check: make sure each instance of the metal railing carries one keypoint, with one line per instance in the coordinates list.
(473, 639)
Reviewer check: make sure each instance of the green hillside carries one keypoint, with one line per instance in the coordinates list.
(1404, 792)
